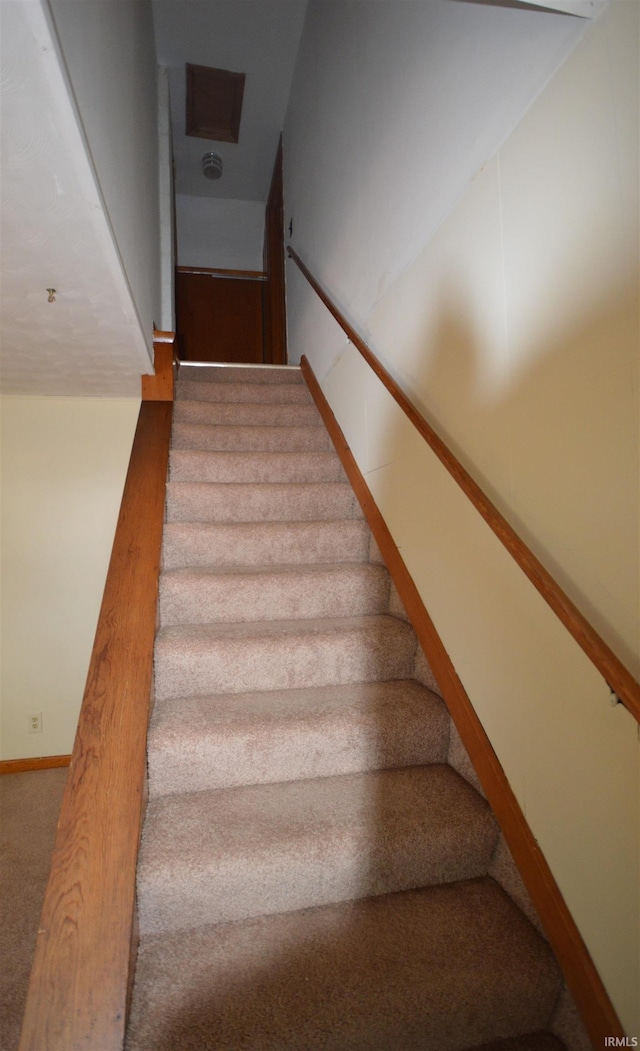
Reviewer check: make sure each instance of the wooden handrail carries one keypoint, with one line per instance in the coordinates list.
(618, 677)
(80, 977)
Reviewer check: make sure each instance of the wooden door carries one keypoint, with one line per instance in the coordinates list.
(218, 318)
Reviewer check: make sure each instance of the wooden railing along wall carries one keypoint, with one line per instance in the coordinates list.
(82, 966)
(608, 664)
(580, 974)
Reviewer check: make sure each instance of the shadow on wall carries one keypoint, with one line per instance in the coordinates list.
(551, 439)
(556, 448)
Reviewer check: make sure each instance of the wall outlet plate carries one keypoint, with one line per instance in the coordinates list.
(35, 723)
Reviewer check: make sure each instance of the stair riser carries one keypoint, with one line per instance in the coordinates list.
(250, 439)
(273, 662)
(271, 749)
(271, 543)
(265, 393)
(210, 502)
(189, 465)
(200, 599)
(246, 414)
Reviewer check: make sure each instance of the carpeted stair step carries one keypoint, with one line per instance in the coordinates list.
(445, 968)
(196, 465)
(247, 438)
(197, 596)
(264, 374)
(219, 741)
(276, 655)
(188, 544)
(312, 872)
(251, 414)
(260, 501)
(228, 854)
(266, 393)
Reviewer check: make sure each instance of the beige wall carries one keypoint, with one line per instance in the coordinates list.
(515, 328)
(64, 462)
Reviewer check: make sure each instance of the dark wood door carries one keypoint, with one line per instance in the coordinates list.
(275, 326)
(218, 318)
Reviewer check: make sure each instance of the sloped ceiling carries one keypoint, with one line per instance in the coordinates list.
(259, 38)
(55, 234)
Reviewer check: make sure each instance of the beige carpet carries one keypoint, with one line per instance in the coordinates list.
(315, 873)
(29, 808)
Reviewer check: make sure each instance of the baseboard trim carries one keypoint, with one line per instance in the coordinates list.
(581, 976)
(43, 762)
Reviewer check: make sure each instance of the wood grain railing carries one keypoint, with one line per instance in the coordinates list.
(618, 677)
(82, 966)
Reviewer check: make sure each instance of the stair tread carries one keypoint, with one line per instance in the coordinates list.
(321, 625)
(231, 593)
(270, 655)
(246, 413)
(313, 570)
(221, 740)
(242, 391)
(260, 501)
(210, 372)
(200, 465)
(226, 854)
(204, 634)
(237, 437)
(198, 543)
(444, 968)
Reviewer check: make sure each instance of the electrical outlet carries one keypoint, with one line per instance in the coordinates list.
(35, 723)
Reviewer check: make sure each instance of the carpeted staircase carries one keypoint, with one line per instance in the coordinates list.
(313, 873)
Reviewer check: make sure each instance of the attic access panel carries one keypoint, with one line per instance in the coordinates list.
(214, 103)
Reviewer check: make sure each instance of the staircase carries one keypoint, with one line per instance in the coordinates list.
(313, 874)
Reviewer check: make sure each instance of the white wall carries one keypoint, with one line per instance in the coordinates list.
(218, 233)
(109, 51)
(63, 465)
(393, 109)
(167, 218)
(506, 304)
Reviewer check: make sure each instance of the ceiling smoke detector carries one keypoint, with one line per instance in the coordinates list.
(211, 165)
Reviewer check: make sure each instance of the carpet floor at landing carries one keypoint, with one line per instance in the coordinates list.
(29, 808)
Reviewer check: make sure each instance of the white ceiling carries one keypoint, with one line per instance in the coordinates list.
(259, 38)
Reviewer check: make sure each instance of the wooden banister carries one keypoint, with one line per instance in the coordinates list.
(80, 977)
(618, 677)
